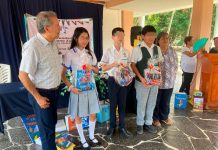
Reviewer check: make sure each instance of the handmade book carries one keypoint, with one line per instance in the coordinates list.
(62, 142)
(198, 103)
(31, 127)
(123, 75)
(153, 73)
(85, 80)
(70, 124)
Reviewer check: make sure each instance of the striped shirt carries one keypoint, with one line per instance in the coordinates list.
(40, 59)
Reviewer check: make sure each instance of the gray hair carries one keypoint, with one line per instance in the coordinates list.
(43, 20)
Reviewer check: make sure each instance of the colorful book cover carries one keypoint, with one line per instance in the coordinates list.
(198, 104)
(31, 127)
(85, 122)
(85, 80)
(180, 100)
(62, 142)
(123, 75)
(198, 93)
(70, 124)
(153, 75)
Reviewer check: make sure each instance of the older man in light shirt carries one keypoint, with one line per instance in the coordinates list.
(40, 73)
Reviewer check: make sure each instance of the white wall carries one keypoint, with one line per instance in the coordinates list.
(111, 19)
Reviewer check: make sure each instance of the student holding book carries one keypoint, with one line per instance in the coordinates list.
(111, 59)
(146, 94)
(82, 103)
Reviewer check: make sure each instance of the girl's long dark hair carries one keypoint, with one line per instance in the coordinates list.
(78, 31)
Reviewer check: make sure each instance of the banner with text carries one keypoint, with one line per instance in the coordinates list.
(67, 29)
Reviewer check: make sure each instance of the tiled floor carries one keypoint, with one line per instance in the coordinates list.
(191, 131)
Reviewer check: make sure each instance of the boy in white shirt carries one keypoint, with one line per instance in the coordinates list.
(146, 95)
(111, 58)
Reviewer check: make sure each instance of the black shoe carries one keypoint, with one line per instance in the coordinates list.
(139, 129)
(125, 133)
(92, 144)
(86, 148)
(110, 132)
(150, 128)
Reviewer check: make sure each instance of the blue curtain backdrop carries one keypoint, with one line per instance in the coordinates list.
(12, 28)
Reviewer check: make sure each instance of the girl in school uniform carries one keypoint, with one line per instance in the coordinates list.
(82, 103)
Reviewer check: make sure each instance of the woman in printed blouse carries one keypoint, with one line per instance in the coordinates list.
(169, 68)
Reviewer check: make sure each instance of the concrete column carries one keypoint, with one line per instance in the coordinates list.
(111, 19)
(141, 21)
(127, 23)
(202, 19)
(171, 21)
(200, 27)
